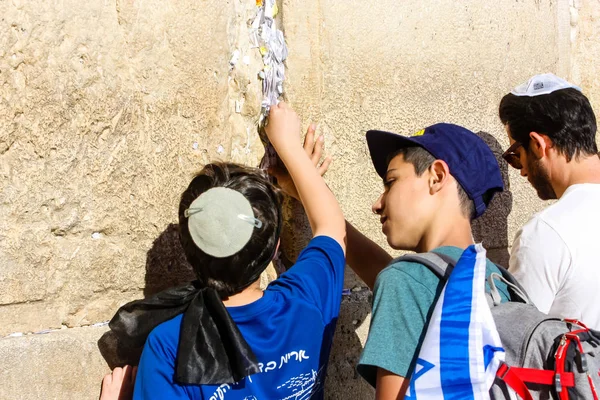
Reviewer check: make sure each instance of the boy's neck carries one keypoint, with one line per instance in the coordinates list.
(246, 296)
(447, 232)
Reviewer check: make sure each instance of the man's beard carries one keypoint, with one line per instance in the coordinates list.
(539, 179)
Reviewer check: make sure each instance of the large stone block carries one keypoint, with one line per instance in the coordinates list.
(584, 32)
(401, 66)
(66, 364)
(61, 365)
(107, 109)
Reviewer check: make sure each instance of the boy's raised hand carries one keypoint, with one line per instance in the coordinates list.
(320, 205)
(283, 128)
(119, 384)
(314, 149)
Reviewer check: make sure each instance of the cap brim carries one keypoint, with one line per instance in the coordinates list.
(382, 144)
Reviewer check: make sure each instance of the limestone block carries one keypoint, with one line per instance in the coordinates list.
(59, 365)
(400, 66)
(107, 108)
(585, 21)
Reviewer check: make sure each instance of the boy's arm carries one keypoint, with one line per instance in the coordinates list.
(401, 304)
(322, 209)
(363, 255)
(390, 386)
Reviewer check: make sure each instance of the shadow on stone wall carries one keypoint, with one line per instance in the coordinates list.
(347, 349)
(354, 310)
(166, 267)
(491, 228)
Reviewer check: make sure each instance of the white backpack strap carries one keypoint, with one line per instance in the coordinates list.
(515, 288)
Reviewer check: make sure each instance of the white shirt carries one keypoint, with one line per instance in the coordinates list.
(556, 256)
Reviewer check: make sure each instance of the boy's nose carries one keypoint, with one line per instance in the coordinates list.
(378, 205)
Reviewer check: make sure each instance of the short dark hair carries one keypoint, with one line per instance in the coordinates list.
(421, 160)
(565, 116)
(230, 275)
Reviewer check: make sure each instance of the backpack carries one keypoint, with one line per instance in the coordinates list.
(545, 357)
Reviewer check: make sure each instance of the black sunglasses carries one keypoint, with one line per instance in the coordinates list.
(512, 157)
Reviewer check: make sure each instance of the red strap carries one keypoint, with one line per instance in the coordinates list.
(582, 353)
(506, 374)
(559, 365)
(544, 376)
(576, 322)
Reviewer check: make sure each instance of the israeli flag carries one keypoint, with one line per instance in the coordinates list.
(462, 350)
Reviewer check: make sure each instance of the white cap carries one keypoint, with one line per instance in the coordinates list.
(542, 84)
(221, 221)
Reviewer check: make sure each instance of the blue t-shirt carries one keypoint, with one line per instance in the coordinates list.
(290, 329)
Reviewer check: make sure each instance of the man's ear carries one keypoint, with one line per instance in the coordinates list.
(438, 175)
(539, 144)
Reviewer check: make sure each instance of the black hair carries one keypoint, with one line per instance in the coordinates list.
(230, 275)
(565, 116)
(421, 160)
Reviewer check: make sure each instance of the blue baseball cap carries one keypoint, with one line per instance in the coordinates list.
(470, 160)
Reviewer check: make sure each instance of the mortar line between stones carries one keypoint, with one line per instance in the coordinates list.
(345, 292)
(46, 331)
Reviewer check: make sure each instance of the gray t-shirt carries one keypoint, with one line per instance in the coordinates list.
(404, 297)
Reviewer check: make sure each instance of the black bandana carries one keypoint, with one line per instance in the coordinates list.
(211, 348)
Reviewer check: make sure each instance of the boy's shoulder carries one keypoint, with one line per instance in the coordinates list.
(406, 284)
(417, 268)
(401, 273)
(316, 278)
(326, 243)
(322, 251)
(167, 333)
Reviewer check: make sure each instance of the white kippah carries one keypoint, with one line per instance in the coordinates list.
(221, 221)
(542, 84)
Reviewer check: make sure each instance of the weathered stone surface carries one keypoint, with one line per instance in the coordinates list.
(402, 66)
(59, 365)
(111, 106)
(343, 382)
(585, 30)
(107, 108)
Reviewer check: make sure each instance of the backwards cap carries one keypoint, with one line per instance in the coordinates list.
(469, 158)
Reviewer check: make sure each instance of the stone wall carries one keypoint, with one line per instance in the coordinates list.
(107, 108)
(585, 31)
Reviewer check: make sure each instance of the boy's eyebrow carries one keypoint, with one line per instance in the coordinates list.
(387, 172)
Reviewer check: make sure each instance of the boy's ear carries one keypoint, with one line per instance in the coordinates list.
(438, 175)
